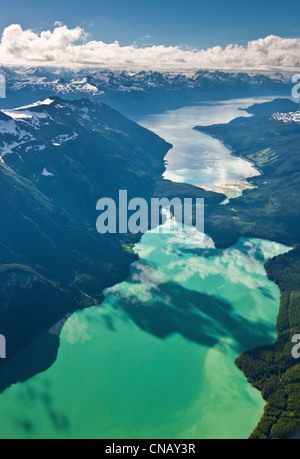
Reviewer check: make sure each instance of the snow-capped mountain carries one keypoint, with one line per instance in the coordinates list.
(57, 159)
(26, 129)
(37, 131)
(105, 81)
(137, 92)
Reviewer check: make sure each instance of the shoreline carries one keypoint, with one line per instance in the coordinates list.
(228, 189)
(229, 147)
(237, 188)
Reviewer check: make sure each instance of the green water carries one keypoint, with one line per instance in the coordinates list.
(156, 360)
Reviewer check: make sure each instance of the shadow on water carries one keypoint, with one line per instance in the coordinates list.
(36, 358)
(31, 395)
(198, 317)
(266, 293)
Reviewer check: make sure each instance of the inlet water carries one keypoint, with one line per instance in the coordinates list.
(197, 158)
(156, 359)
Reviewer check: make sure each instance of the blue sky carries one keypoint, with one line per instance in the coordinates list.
(195, 23)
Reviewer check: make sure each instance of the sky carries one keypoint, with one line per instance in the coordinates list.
(187, 24)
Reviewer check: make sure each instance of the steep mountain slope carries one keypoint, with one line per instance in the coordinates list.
(57, 159)
(270, 211)
(139, 93)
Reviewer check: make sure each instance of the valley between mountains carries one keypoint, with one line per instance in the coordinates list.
(58, 157)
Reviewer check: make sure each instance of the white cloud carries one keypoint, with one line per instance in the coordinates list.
(70, 47)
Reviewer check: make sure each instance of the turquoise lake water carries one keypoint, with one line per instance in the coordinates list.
(156, 359)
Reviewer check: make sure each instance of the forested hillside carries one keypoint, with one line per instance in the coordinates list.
(57, 159)
(270, 211)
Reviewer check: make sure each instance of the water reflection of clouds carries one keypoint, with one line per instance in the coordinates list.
(192, 147)
(243, 264)
(164, 296)
(76, 330)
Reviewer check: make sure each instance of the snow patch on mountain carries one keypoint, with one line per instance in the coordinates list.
(37, 104)
(35, 148)
(8, 127)
(46, 173)
(31, 129)
(64, 138)
(18, 114)
(9, 148)
(12, 137)
(96, 83)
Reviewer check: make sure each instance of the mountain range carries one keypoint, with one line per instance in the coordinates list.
(137, 93)
(58, 157)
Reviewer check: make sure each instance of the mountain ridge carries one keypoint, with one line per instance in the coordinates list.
(138, 93)
(49, 241)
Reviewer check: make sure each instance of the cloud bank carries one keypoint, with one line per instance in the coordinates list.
(71, 48)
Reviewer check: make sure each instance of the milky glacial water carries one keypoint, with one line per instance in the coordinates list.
(156, 359)
(196, 158)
